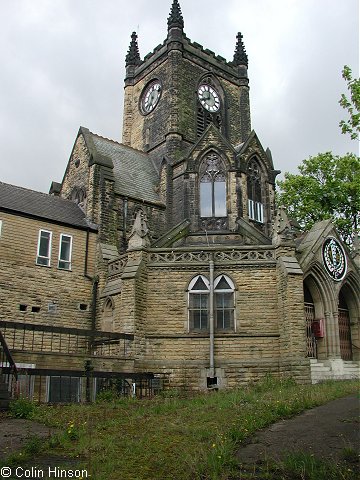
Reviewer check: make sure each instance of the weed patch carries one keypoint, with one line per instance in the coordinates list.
(186, 438)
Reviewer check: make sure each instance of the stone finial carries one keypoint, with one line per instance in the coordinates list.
(139, 236)
(282, 231)
(175, 18)
(133, 56)
(240, 56)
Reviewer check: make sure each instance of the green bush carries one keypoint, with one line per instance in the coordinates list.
(22, 408)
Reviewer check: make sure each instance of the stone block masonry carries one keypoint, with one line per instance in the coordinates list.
(44, 294)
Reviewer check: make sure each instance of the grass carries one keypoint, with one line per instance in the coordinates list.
(174, 438)
(300, 466)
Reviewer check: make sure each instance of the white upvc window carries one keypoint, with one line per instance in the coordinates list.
(224, 303)
(198, 303)
(256, 211)
(65, 251)
(44, 248)
(1, 223)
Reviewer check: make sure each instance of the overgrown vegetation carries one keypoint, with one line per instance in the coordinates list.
(183, 438)
(22, 408)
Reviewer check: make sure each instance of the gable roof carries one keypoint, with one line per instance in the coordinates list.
(133, 171)
(211, 138)
(41, 205)
(251, 145)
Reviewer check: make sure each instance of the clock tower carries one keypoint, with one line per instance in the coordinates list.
(188, 109)
(176, 91)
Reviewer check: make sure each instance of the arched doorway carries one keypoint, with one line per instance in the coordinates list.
(344, 329)
(310, 318)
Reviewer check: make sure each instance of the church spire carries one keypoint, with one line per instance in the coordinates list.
(133, 56)
(240, 57)
(175, 18)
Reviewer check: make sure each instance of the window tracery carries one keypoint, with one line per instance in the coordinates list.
(199, 303)
(255, 203)
(213, 187)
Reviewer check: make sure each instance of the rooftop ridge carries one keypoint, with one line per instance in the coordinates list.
(44, 194)
(118, 143)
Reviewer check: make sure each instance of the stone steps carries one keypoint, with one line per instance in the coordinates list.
(329, 370)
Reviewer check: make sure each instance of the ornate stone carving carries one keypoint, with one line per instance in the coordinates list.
(175, 18)
(211, 224)
(117, 266)
(139, 236)
(240, 56)
(237, 256)
(133, 56)
(282, 231)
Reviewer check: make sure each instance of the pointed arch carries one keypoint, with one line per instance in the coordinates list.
(212, 186)
(255, 190)
(215, 112)
(107, 319)
(349, 318)
(224, 303)
(198, 303)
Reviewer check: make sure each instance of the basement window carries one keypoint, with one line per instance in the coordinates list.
(212, 382)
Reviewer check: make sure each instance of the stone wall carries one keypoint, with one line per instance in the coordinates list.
(27, 289)
(154, 300)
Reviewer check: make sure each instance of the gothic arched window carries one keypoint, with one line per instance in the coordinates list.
(255, 203)
(107, 321)
(198, 291)
(212, 187)
(224, 303)
(199, 303)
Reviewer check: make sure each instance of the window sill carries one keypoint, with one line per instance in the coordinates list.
(41, 265)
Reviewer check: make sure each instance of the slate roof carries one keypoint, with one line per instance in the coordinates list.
(134, 172)
(42, 205)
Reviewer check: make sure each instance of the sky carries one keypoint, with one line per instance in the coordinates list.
(63, 66)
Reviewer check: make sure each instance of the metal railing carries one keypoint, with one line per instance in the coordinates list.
(8, 370)
(28, 337)
(76, 386)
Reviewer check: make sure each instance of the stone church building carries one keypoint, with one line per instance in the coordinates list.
(171, 240)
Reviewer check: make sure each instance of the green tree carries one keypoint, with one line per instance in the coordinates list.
(328, 186)
(352, 105)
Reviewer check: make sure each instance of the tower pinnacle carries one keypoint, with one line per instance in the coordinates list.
(175, 18)
(133, 56)
(240, 56)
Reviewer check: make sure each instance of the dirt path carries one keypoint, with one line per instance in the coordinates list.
(15, 432)
(323, 431)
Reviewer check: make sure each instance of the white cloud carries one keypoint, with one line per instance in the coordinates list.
(63, 66)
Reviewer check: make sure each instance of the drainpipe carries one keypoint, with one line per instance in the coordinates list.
(86, 254)
(125, 215)
(95, 283)
(211, 319)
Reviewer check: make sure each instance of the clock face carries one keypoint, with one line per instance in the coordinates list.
(150, 97)
(209, 98)
(334, 259)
